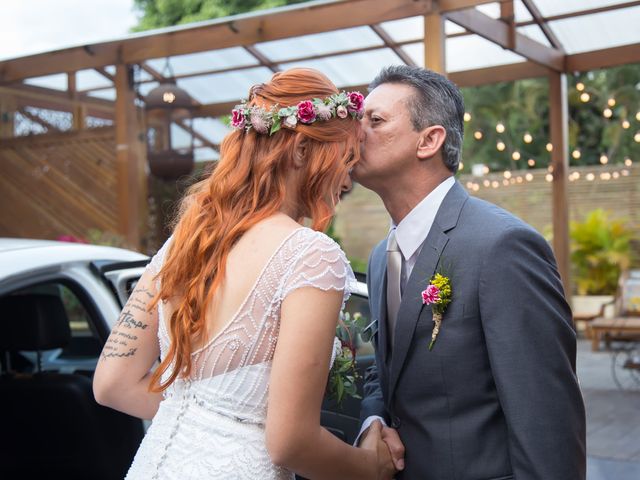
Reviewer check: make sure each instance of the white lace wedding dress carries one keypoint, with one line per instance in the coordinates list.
(212, 425)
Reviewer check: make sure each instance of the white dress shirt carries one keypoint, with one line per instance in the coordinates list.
(411, 233)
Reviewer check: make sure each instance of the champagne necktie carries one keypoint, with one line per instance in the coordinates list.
(394, 269)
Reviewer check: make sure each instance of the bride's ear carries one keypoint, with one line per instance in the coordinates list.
(299, 151)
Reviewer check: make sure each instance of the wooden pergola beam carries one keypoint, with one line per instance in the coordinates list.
(559, 129)
(36, 119)
(498, 32)
(605, 58)
(264, 61)
(389, 43)
(40, 97)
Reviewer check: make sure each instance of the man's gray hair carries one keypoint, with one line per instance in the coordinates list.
(437, 101)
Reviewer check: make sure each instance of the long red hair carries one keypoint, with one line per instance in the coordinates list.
(247, 186)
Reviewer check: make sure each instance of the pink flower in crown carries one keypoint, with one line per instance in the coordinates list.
(259, 120)
(306, 112)
(342, 112)
(431, 295)
(356, 102)
(324, 112)
(237, 118)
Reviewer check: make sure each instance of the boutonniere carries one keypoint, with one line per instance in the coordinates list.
(438, 295)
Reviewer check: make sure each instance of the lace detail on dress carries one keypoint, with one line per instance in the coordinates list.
(211, 425)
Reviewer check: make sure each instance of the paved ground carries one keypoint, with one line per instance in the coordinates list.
(613, 419)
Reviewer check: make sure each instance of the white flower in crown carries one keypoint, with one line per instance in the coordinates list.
(325, 112)
(290, 122)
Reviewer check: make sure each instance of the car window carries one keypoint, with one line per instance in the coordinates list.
(83, 350)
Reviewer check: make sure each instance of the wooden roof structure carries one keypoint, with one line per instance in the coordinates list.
(479, 41)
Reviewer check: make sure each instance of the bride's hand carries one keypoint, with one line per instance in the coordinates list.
(373, 442)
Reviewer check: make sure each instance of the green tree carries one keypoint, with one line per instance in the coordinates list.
(165, 13)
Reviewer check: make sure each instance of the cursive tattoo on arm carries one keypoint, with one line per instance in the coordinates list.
(121, 342)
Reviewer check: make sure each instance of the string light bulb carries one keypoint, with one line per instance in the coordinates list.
(467, 117)
(607, 113)
(500, 127)
(576, 154)
(549, 147)
(611, 102)
(638, 116)
(527, 138)
(500, 146)
(460, 166)
(604, 159)
(477, 135)
(615, 175)
(625, 124)
(516, 155)
(528, 177)
(636, 137)
(548, 177)
(585, 97)
(628, 162)
(580, 86)
(531, 162)
(507, 174)
(590, 177)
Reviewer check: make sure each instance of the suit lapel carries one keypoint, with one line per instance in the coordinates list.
(411, 304)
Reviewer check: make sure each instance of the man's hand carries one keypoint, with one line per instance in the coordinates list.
(396, 447)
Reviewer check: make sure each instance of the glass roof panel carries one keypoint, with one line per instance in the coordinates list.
(109, 94)
(521, 12)
(550, 8)
(535, 33)
(405, 29)
(354, 68)
(609, 29)
(212, 128)
(57, 81)
(225, 86)
(319, 44)
(86, 79)
(203, 61)
(467, 53)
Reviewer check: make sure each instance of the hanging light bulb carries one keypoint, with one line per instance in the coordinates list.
(628, 162)
(467, 117)
(576, 154)
(611, 102)
(604, 159)
(527, 138)
(531, 162)
(528, 177)
(585, 97)
(580, 86)
(507, 174)
(590, 177)
(625, 124)
(477, 135)
(607, 113)
(636, 137)
(548, 177)
(500, 127)
(500, 146)
(515, 155)
(549, 147)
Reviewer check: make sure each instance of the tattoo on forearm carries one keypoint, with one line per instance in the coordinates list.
(118, 342)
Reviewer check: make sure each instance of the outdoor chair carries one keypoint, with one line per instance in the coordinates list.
(624, 325)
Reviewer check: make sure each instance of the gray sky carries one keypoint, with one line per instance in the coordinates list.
(34, 26)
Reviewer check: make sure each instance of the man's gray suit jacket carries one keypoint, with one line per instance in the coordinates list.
(497, 397)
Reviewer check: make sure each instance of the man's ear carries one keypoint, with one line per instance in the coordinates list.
(299, 151)
(431, 141)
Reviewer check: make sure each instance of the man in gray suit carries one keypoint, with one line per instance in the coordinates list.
(497, 395)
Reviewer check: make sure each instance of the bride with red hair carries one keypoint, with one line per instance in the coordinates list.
(241, 303)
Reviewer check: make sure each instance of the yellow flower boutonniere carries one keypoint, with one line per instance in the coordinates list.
(438, 295)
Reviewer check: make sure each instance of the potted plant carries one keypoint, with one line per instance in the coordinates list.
(600, 250)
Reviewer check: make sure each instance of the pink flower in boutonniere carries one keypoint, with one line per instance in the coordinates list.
(438, 295)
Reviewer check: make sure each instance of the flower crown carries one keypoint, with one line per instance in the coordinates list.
(338, 105)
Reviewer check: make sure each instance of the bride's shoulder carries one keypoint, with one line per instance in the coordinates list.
(315, 240)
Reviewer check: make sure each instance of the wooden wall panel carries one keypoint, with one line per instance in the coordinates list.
(58, 184)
